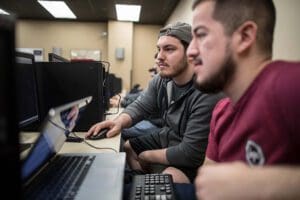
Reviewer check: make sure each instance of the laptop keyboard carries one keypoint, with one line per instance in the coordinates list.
(152, 187)
(61, 179)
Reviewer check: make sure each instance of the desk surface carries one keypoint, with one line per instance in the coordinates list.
(104, 145)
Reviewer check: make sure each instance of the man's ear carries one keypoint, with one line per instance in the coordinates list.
(246, 36)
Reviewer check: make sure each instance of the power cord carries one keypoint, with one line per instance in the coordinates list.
(83, 139)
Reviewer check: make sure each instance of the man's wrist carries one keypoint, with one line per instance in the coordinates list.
(123, 120)
(157, 156)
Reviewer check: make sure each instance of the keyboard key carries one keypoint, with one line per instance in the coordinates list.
(152, 187)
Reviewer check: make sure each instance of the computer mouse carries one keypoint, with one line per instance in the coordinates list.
(101, 135)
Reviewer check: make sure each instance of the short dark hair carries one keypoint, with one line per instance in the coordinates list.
(184, 44)
(233, 13)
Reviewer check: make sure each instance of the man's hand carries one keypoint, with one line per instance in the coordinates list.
(73, 116)
(224, 181)
(143, 160)
(113, 126)
(238, 181)
(114, 101)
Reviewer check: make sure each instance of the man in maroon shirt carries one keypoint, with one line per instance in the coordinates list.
(259, 122)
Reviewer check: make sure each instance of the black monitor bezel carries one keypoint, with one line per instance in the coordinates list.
(36, 118)
(20, 54)
(53, 56)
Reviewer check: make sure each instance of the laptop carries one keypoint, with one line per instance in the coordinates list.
(47, 174)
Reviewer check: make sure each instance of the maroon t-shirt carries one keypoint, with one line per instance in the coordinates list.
(263, 127)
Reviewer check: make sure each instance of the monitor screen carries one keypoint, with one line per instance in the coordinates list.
(56, 58)
(26, 86)
(55, 129)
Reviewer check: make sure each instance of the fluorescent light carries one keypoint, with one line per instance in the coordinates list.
(3, 12)
(58, 9)
(127, 12)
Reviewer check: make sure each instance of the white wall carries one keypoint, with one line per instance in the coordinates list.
(66, 35)
(183, 12)
(121, 68)
(287, 30)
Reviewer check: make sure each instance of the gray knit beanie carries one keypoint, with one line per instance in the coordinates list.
(180, 30)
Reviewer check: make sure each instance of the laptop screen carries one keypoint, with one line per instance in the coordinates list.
(55, 129)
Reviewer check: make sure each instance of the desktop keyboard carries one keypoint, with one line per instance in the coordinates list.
(152, 187)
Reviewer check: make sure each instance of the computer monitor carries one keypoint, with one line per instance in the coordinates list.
(10, 181)
(61, 82)
(27, 96)
(23, 57)
(52, 57)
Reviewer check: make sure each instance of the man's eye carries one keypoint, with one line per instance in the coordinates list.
(200, 35)
(169, 49)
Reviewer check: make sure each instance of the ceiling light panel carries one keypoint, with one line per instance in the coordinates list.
(127, 12)
(3, 12)
(58, 9)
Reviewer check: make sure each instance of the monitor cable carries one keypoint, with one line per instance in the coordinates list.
(106, 72)
(93, 146)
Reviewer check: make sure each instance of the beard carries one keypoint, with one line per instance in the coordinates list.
(220, 79)
(177, 70)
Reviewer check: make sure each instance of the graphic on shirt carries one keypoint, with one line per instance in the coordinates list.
(254, 154)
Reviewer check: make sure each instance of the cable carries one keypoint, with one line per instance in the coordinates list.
(84, 140)
(58, 126)
(106, 73)
(93, 146)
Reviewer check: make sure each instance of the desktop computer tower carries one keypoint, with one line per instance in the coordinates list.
(62, 82)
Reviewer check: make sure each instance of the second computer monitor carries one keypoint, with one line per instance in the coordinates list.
(61, 82)
(26, 87)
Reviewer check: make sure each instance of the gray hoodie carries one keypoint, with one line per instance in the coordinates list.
(186, 120)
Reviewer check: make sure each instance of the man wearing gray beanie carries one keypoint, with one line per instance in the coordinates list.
(179, 147)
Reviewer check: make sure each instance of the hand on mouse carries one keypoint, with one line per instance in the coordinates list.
(113, 127)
